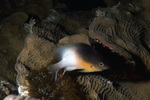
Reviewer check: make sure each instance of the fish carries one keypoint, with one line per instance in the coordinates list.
(77, 56)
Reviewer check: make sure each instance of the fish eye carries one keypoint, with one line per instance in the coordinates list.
(101, 64)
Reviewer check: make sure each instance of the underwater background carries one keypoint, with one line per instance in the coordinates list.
(30, 30)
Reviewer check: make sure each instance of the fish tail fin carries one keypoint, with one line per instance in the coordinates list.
(54, 68)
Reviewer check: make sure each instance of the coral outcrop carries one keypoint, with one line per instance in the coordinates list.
(99, 88)
(119, 29)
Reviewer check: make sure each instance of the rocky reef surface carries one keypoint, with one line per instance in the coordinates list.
(121, 32)
(13, 15)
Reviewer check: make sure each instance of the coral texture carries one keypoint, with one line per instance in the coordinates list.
(118, 29)
(99, 88)
(122, 33)
(37, 55)
(34, 56)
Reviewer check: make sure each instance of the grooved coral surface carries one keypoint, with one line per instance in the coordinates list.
(123, 33)
(99, 88)
(118, 30)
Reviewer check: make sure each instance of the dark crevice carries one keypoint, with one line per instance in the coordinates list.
(120, 69)
(83, 4)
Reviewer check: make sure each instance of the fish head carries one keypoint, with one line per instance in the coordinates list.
(92, 65)
(100, 66)
(90, 60)
(99, 62)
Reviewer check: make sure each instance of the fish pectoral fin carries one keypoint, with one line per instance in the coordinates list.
(56, 73)
(54, 70)
(71, 68)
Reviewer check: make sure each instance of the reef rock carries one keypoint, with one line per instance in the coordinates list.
(123, 33)
(99, 88)
(117, 29)
(12, 35)
(36, 56)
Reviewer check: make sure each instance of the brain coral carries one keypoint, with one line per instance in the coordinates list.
(123, 33)
(118, 29)
(99, 88)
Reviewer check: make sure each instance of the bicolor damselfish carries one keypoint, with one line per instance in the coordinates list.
(78, 56)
